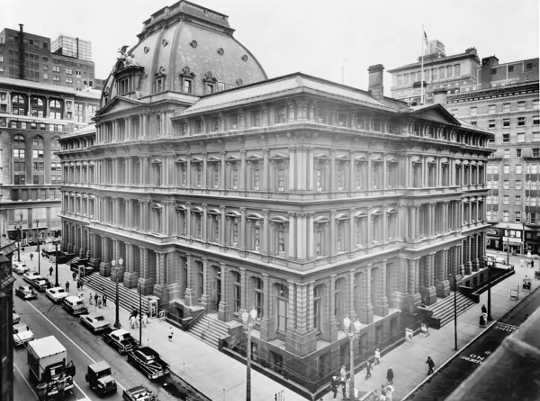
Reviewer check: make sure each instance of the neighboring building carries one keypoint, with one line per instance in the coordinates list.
(32, 117)
(6, 319)
(455, 74)
(302, 198)
(502, 98)
(72, 47)
(28, 56)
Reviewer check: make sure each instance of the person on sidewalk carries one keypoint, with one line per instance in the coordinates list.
(50, 270)
(334, 386)
(484, 309)
(390, 376)
(377, 356)
(67, 286)
(99, 302)
(145, 319)
(31, 256)
(369, 367)
(389, 390)
(104, 300)
(431, 365)
(74, 275)
(96, 298)
(91, 298)
(171, 334)
(424, 330)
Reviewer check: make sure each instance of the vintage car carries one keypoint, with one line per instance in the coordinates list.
(100, 379)
(22, 334)
(56, 294)
(29, 277)
(41, 284)
(25, 292)
(74, 305)
(139, 393)
(121, 340)
(148, 361)
(20, 267)
(95, 322)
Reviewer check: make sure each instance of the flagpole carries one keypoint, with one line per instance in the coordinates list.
(422, 68)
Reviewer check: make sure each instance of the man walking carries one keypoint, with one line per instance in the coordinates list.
(390, 376)
(67, 286)
(50, 271)
(431, 365)
(368, 369)
(104, 300)
(377, 356)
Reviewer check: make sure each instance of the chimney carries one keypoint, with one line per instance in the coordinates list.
(376, 81)
(439, 96)
(21, 52)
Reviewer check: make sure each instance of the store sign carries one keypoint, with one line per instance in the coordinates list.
(492, 232)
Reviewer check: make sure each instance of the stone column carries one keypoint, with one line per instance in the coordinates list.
(265, 319)
(224, 307)
(381, 300)
(205, 295)
(130, 275)
(332, 323)
(365, 314)
(160, 288)
(104, 266)
(413, 284)
(145, 281)
(443, 284)
(429, 292)
(188, 295)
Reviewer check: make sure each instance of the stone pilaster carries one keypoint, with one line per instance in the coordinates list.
(381, 300)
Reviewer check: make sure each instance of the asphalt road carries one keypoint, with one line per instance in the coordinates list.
(83, 348)
(446, 380)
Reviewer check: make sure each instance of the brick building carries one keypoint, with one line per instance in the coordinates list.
(28, 56)
(32, 117)
(304, 199)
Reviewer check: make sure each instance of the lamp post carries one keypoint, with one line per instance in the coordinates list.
(489, 263)
(248, 318)
(352, 330)
(38, 247)
(56, 262)
(116, 269)
(455, 311)
(139, 285)
(18, 228)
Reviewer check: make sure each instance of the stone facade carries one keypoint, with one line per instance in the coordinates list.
(307, 200)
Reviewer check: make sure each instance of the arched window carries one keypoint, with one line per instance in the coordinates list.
(38, 161)
(55, 109)
(18, 160)
(317, 306)
(258, 296)
(282, 307)
(38, 107)
(19, 104)
(236, 291)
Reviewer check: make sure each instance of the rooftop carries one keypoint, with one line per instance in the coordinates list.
(438, 60)
(88, 93)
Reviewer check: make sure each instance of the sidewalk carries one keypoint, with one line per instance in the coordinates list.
(216, 375)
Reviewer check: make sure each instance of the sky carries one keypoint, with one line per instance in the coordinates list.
(336, 40)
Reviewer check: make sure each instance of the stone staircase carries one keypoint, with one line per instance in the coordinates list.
(210, 329)
(443, 310)
(129, 297)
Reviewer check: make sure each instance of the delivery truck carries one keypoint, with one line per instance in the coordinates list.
(49, 371)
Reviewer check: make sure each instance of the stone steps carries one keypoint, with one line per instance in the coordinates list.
(210, 330)
(129, 297)
(443, 311)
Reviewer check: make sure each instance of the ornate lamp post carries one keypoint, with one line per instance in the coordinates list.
(489, 264)
(352, 330)
(56, 262)
(248, 318)
(117, 269)
(18, 228)
(139, 287)
(38, 247)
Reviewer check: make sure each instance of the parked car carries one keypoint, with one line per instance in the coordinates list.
(22, 334)
(41, 284)
(138, 393)
(16, 318)
(29, 277)
(74, 305)
(100, 379)
(95, 322)
(121, 340)
(25, 292)
(148, 361)
(20, 267)
(56, 294)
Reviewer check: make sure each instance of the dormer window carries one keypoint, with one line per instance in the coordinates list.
(124, 86)
(186, 80)
(209, 88)
(210, 83)
(159, 84)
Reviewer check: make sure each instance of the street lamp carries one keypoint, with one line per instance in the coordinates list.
(116, 270)
(248, 318)
(18, 228)
(56, 262)
(139, 285)
(352, 330)
(489, 263)
(38, 247)
(455, 310)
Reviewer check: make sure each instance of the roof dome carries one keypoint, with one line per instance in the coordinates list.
(183, 48)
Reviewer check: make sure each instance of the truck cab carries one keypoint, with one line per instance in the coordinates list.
(100, 379)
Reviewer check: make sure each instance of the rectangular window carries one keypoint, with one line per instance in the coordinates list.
(507, 153)
(491, 124)
(517, 216)
(506, 138)
(457, 70)
(518, 152)
(521, 121)
(536, 120)
(536, 152)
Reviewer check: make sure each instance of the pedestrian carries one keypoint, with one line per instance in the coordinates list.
(96, 297)
(104, 300)
(424, 330)
(67, 286)
(431, 365)
(74, 275)
(343, 379)
(389, 390)
(368, 368)
(377, 356)
(390, 376)
(91, 298)
(98, 302)
(31, 256)
(484, 309)
(50, 271)
(145, 319)
(171, 333)
(334, 386)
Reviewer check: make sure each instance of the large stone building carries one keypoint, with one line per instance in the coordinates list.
(32, 117)
(28, 56)
(502, 98)
(305, 199)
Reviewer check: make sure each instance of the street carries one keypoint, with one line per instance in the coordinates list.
(83, 348)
